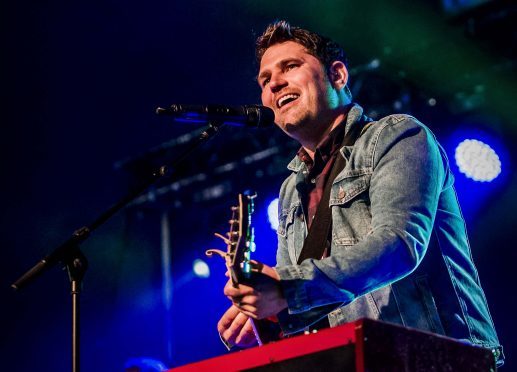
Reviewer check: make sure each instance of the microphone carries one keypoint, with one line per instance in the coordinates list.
(243, 116)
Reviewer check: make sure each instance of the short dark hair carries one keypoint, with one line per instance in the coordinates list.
(321, 47)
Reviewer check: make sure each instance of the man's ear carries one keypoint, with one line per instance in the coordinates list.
(338, 74)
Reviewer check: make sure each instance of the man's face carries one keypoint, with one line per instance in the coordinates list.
(295, 85)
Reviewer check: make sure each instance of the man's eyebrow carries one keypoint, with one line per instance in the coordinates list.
(262, 75)
(281, 63)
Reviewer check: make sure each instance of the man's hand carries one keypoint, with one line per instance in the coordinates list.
(235, 328)
(262, 297)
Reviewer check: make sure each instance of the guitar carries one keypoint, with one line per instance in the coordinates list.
(240, 243)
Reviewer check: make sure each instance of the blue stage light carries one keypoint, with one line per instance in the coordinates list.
(477, 160)
(201, 269)
(272, 214)
(144, 365)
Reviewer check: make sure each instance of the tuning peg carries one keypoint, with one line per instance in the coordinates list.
(227, 241)
(210, 253)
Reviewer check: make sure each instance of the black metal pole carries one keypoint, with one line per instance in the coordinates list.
(76, 345)
(76, 265)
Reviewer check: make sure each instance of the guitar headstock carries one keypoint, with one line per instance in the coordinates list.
(239, 240)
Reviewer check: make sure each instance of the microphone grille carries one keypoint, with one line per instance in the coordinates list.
(260, 116)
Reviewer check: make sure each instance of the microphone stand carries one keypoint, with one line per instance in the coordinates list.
(75, 261)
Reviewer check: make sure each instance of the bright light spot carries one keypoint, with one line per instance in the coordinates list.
(201, 269)
(144, 364)
(477, 160)
(272, 214)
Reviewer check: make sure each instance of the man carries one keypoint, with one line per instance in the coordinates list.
(397, 245)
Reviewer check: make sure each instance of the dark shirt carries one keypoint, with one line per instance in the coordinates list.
(319, 169)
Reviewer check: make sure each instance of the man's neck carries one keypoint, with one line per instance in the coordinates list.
(311, 145)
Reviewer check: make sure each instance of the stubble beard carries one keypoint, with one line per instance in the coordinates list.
(295, 124)
(304, 127)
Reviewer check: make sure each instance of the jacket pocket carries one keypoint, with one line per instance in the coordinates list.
(348, 188)
(351, 215)
(285, 219)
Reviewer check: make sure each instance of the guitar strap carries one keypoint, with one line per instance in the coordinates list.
(317, 238)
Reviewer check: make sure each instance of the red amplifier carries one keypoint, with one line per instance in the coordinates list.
(363, 345)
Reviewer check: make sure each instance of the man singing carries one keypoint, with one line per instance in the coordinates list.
(393, 245)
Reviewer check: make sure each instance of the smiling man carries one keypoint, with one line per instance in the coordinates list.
(369, 225)
(308, 98)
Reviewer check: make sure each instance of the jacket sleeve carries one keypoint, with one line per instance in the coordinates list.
(407, 176)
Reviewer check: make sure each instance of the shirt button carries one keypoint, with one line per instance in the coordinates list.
(313, 180)
(341, 194)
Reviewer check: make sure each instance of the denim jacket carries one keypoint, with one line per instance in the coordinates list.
(399, 247)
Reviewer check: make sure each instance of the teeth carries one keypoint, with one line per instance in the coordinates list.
(284, 99)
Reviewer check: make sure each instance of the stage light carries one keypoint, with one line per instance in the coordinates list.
(272, 214)
(477, 160)
(144, 364)
(200, 269)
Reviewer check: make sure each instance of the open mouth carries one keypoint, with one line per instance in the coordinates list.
(284, 100)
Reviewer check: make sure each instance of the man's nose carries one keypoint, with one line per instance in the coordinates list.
(276, 83)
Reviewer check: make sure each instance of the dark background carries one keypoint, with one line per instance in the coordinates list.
(79, 85)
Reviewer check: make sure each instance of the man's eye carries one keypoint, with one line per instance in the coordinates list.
(265, 82)
(291, 66)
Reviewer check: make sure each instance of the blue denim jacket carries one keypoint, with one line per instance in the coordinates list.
(399, 249)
